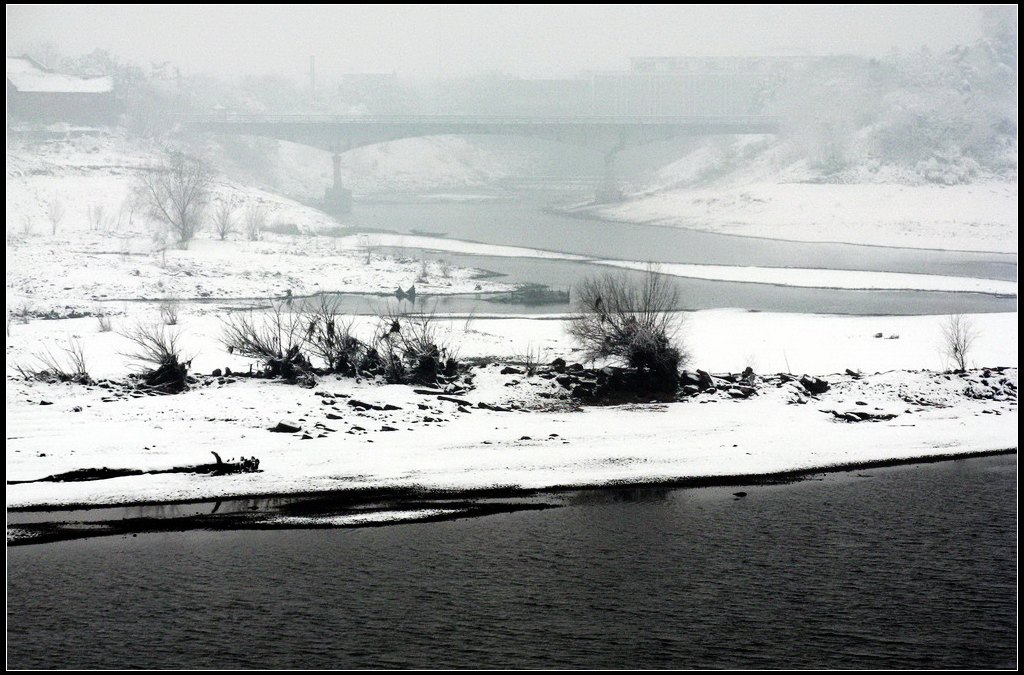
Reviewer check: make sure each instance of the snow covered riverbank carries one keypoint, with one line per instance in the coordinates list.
(543, 440)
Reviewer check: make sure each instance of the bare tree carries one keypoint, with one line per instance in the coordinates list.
(958, 336)
(55, 212)
(97, 217)
(634, 321)
(255, 221)
(176, 193)
(224, 219)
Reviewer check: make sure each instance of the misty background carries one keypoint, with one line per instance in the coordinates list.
(908, 95)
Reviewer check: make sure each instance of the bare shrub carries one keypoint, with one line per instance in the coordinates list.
(175, 193)
(331, 339)
(70, 367)
(55, 211)
(99, 220)
(169, 312)
(633, 321)
(445, 268)
(255, 221)
(278, 339)
(158, 347)
(224, 219)
(958, 336)
(531, 359)
(413, 350)
(104, 322)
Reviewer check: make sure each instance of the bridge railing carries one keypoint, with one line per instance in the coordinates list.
(673, 120)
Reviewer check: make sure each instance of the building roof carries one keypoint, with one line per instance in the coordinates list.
(28, 76)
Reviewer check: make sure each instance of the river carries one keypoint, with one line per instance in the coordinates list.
(530, 219)
(903, 567)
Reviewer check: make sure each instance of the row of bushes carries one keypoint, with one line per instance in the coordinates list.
(404, 348)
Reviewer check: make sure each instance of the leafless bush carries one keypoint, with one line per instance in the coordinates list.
(224, 219)
(98, 219)
(154, 344)
(104, 322)
(278, 339)
(255, 221)
(158, 347)
(413, 350)
(169, 312)
(331, 339)
(633, 321)
(67, 368)
(531, 359)
(958, 336)
(445, 268)
(55, 213)
(176, 194)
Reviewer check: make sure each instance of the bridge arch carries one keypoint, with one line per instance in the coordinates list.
(339, 134)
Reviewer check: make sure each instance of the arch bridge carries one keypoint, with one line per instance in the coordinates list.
(607, 134)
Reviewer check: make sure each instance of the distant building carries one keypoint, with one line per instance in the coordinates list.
(37, 94)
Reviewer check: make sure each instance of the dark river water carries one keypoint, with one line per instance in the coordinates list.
(906, 567)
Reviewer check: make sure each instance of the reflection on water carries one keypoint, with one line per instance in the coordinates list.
(902, 567)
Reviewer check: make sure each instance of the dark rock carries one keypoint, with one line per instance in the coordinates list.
(689, 378)
(748, 372)
(457, 401)
(286, 427)
(217, 372)
(77, 408)
(362, 405)
(489, 406)
(332, 416)
(705, 381)
(736, 393)
(558, 365)
(386, 428)
(575, 368)
(853, 373)
(739, 494)
(227, 372)
(525, 438)
(46, 403)
(582, 391)
(567, 381)
(814, 385)
(509, 370)
(690, 390)
(388, 406)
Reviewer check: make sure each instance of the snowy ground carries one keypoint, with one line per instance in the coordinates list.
(754, 186)
(543, 441)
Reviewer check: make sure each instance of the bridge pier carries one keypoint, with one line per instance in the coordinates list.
(609, 190)
(337, 200)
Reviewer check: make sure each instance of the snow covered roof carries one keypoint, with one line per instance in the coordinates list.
(26, 75)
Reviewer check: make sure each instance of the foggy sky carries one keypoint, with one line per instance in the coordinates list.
(431, 41)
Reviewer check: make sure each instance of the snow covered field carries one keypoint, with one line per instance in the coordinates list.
(757, 186)
(543, 441)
